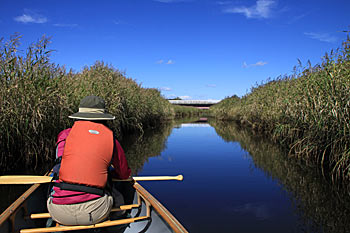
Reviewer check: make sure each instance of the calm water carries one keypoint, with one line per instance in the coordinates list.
(233, 181)
(226, 189)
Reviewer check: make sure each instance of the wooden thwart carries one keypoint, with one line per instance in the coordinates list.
(74, 228)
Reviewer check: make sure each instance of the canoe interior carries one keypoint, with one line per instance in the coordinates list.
(15, 217)
(33, 201)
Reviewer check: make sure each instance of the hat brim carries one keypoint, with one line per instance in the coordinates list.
(92, 116)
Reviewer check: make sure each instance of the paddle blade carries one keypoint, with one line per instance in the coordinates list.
(23, 179)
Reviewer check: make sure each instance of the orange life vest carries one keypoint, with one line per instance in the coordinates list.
(87, 154)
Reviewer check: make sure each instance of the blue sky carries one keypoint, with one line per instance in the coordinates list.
(193, 49)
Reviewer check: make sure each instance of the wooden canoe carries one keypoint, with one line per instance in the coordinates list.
(28, 214)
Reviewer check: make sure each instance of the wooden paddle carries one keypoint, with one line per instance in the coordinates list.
(28, 179)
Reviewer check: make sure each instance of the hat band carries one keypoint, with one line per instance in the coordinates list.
(91, 110)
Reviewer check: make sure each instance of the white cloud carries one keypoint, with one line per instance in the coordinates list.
(262, 9)
(223, 2)
(31, 18)
(185, 97)
(211, 85)
(170, 62)
(259, 63)
(324, 37)
(172, 96)
(65, 25)
(165, 89)
(170, 1)
(297, 18)
(164, 1)
(120, 22)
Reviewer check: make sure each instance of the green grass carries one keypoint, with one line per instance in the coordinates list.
(188, 111)
(308, 112)
(37, 96)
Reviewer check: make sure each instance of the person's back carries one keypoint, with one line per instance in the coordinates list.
(87, 154)
(80, 196)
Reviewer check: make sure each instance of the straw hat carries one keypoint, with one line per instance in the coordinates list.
(92, 108)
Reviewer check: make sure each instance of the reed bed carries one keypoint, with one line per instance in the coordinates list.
(30, 101)
(188, 111)
(307, 112)
(36, 97)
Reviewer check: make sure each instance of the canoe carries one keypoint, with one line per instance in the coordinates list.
(28, 214)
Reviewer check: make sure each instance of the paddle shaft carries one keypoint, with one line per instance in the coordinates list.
(27, 179)
(150, 178)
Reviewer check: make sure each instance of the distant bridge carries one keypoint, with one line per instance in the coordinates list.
(202, 104)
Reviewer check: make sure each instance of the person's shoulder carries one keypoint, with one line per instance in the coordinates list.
(63, 134)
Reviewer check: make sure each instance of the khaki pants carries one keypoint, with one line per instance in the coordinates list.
(85, 213)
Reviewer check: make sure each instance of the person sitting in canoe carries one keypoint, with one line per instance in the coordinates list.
(82, 194)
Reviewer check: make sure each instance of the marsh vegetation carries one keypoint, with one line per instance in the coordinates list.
(307, 112)
(36, 97)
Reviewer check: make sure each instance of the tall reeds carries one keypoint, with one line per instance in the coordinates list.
(188, 111)
(29, 101)
(36, 97)
(308, 112)
(134, 107)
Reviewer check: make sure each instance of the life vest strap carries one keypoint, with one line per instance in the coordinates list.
(80, 188)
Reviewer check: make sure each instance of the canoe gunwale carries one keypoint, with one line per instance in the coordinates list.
(160, 209)
(15, 206)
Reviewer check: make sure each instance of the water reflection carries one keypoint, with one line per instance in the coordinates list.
(139, 148)
(220, 192)
(321, 207)
(260, 211)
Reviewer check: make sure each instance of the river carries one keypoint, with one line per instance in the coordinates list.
(237, 182)
(234, 181)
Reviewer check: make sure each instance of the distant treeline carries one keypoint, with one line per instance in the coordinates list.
(37, 96)
(307, 112)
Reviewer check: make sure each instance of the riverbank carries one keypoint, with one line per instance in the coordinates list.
(320, 205)
(307, 112)
(37, 96)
